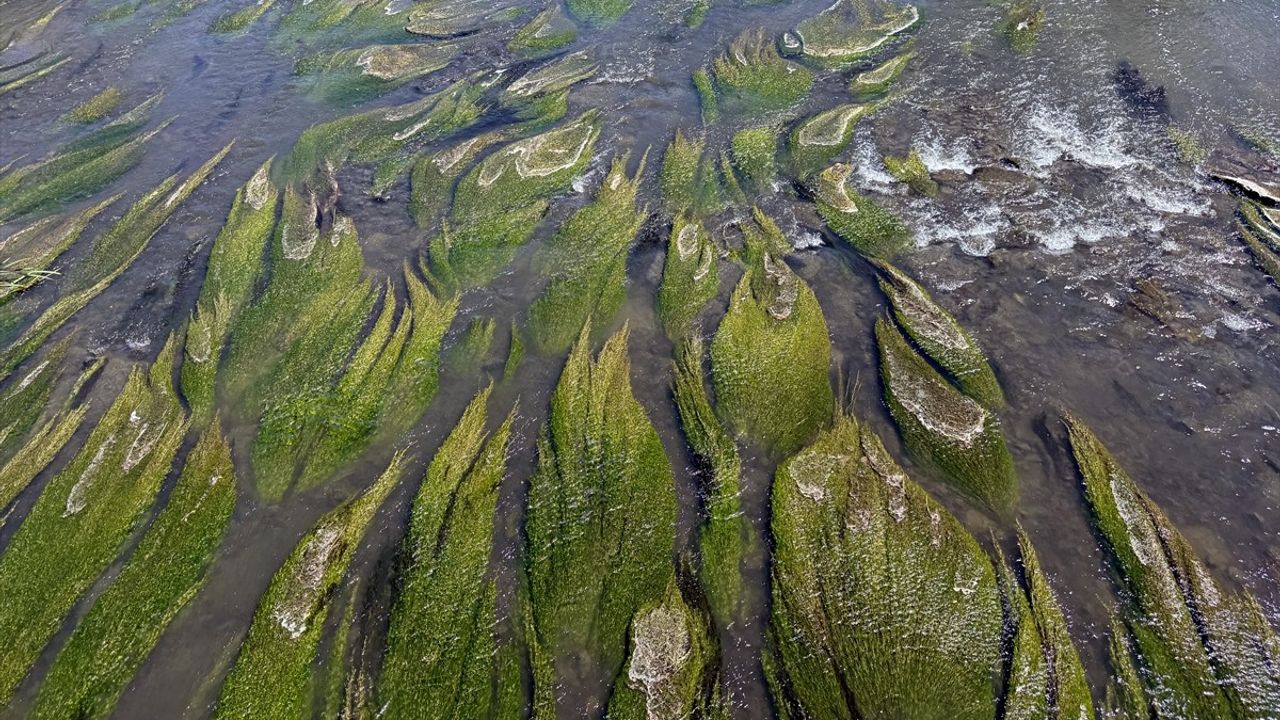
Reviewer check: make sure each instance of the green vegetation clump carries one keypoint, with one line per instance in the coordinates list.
(877, 80)
(1204, 652)
(941, 339)
(940, 425)
(751, 77)
(709, 107)
(473, 345)
(442, 645)
(681, 173)
(497, 205)
(754, 152)
(771, 355)
(164, 573)
(548, 31)
(598, 12)
(690, 276)
(95, 108)
(721, 543)
(85, 514)
(817, 140)
(23, 403)
(849, 31)
(591, 567)
(697, 14)
(1021, 26)
(352, 75)
(28, 71)
(515, 353)
(1125, 699)
(586, 263)
(239, 20)
(882, 601)
(466, 17)
(1187, 145)
(273, 674)
(912, 171)
(112, 253)
(434, 175)
(541, 96)
(1262, 237)
(868, 228)
(34, 248)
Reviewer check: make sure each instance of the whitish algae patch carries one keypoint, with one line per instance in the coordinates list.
(817, 140)
(878, 79)
(850, 30)
(882, 601)
(357, 73)
(770, 356)
(869, 228)
(601, 523)
(272, 676)
(944, 427)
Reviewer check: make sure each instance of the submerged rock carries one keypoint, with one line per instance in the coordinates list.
(878, 79)
(1146, 100)
(819, 139)
(850, 30)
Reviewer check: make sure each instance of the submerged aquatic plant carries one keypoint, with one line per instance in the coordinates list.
(601, 523)
(354, 74)
(85, 513)
(947, 429)
(754, 151)
(1021, 25)
(771, 354)
(164, 573)
(751, 77)
(878, 79)
(239, 20)
(1204, 652)
(883, 604)
(443, 655)
(688, 178)
(95, 108)
(942, 339)
(540, 96)
(272, 675)
(850, 30)
(497, 205)
(870, 229)
(1261, 234)
(690, 276)
(434, 175)
(912, 171)
(817, 140)
(28, 253)
(28, 71)
(598, 12)
(473, 345)
(548, 31)
(710, 108)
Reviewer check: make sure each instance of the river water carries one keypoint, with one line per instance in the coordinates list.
(1058, 198)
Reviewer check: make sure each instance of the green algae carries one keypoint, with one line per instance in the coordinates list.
(446, 20)
(352, 75)
(35, 247)
(548, 31)
(273, 673)
(498, 203)
(1261, 237)
(240, 20)
(112, 253)
(24, 401)
(27, 72)
(944, 427)
(586, 263)
(754, 152)
(95, 108)
(1021, 25)
(849, 31)
(751, 77)
(818, 140)
(473, 345)
(433, 176)
(86, 513)
(883, 604)
(771, 355)
(598, 12)
(540, 96)
(164, 573)
(912, 171)
(690, 276)
(697, 14)
(590, 567)
(1204, 652)
(868, 228)
(721, 543)
(442, 646)
(1188, 146)
(688, 179)
(709, 107)
(1125, 699)
(879, 79)
(941, 339)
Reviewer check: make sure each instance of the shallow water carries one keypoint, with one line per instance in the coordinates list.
(1056, 198)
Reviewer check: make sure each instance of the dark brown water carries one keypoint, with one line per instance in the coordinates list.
(1039, 264)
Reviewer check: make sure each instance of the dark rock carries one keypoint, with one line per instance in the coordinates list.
(1143, 98)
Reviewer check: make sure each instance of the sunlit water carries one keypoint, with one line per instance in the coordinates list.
(1056, 198)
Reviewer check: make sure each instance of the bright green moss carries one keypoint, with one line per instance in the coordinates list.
(548, 31)
(23, 402)
(273, 674)
(1027, 687)
(690, 276)
(943, 427)
(770, 357)
(754, 150)
(818, 140)
(751, 77)
(590, 567)
(721, 539)
(352, 75)
(912, 171)
(434, 175)
(473, 345)
(442, 644)
(586, 263)
(35, 247)
(1021, 25)
(95, 108)
(869, 228)
(164, 573)
(678, 179)
(85, 514)
(709, 107)
(942, 339)
(1204, 651)
(1261, 238)
(883, 604)
(515, 353)
(497, 205)
(849, 31)
(598, 12)
(877, 80)
(1125, 699)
